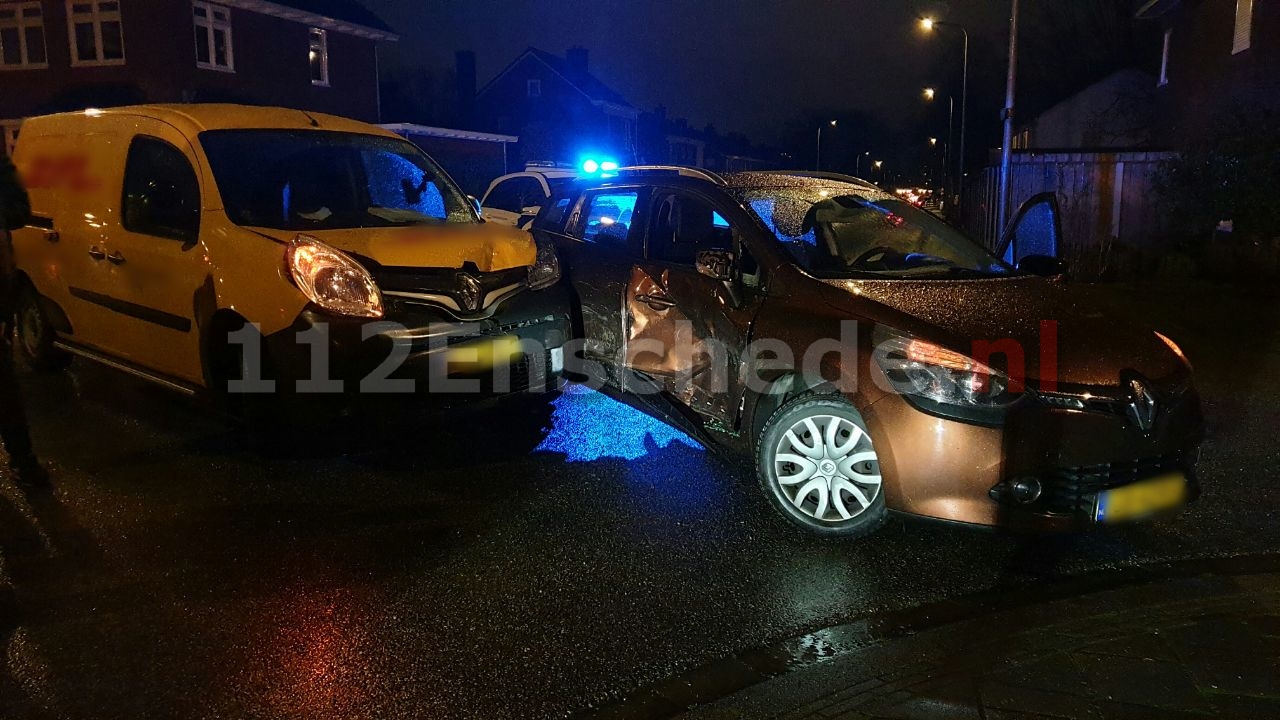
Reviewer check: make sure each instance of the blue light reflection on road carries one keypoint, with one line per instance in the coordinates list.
(587, 426)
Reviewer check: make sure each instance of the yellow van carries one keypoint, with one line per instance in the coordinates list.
(162, 232)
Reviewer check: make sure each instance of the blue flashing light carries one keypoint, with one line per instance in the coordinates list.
(590, 167)
(608, 166)
(588, 426)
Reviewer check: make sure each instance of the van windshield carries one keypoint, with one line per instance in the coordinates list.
(843, 230)
(318, 180)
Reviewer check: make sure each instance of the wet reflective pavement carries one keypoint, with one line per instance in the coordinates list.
(493, 566)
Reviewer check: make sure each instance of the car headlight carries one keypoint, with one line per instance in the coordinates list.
(331, 279)
(545, 271)
(945, 381)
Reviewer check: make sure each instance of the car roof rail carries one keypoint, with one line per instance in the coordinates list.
(682, 171)
(824, 175)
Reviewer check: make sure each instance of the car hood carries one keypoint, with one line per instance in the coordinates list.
(1095, 343)
(489, 246)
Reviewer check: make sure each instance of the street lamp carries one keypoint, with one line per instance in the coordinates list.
(946, 159)
(929, 93)
(817, 162)
(933, 142)
(858, 167)
(876, 166)
(928, 24)
(1006, 149)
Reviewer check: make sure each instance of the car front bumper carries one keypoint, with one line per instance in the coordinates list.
(419, 349)
(952, 470)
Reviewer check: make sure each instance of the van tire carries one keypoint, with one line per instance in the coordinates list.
(837, 477)
(34, 332)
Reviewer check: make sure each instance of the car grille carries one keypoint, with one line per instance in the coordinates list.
(1069, 490)
(527, 372)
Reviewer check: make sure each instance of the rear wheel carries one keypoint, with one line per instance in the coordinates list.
(818, 468)
(35, 333)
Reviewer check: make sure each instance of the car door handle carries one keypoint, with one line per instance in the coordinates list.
(115, 258)
(656, 302)
(96, 254)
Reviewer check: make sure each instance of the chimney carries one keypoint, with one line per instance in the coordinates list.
(465, 74)
(577, 58)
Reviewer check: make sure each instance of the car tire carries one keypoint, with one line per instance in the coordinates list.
(817, 467)
(35, 335)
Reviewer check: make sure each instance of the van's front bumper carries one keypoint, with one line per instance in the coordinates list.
(953, 470)
(420, 349)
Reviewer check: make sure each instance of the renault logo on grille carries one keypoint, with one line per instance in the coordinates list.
(469, 292)
(1142, 405)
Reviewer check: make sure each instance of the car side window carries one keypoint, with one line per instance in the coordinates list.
(161, 192)
(682, 225)
(607, 218)
(504, 196)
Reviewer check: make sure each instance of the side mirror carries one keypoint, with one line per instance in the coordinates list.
(1043, 265)
(475, 203)
(715, 264)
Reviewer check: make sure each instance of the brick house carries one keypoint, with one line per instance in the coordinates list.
(58, 55)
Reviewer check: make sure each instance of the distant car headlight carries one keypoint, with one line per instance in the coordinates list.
(331, 279)
(944, 381)
(545, 271)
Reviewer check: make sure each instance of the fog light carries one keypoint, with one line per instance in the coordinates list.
(1022, 490)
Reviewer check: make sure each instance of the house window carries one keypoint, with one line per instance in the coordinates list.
(213, 37)
(1164, 58)
(1244, 26)
(22, 36)
(97, 37)
(533, 88)
(319, 57)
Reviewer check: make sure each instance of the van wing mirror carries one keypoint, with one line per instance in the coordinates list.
(715, 264)
(1036, 230)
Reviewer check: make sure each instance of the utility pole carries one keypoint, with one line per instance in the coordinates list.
(1006, 148)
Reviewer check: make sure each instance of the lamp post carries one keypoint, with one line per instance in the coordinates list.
(858, 167)
(929, 94)
(878, 164)
(928, 24)
(1006, 148)
(817, 163)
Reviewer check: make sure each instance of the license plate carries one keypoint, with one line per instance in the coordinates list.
(482, 355)
(1141, 498)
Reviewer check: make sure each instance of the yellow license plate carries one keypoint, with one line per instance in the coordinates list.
(482, 355)
(1141, 498)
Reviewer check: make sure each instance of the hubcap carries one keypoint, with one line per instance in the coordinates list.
(826, 467)
(29, 329)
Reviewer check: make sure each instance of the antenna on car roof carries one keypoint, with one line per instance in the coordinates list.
(314, 122)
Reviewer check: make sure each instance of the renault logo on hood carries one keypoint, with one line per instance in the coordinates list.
(1142, 404)
(469, 292)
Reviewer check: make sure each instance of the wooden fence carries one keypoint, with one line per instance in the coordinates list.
(1110, 215)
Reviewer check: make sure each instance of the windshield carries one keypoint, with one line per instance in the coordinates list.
(840, 230)
(312, 180)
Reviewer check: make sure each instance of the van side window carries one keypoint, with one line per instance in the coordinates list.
(161, 193)
(682, 225)
(609, 218)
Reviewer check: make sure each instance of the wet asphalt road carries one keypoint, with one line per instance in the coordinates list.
(499, 567)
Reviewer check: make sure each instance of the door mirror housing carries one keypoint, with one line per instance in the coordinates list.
(1043, 265)
(1036, 230)
(475, 204)
(715, 264)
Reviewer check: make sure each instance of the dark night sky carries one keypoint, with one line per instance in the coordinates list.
(744, 66)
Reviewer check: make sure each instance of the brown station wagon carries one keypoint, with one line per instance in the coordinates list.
(871, 357)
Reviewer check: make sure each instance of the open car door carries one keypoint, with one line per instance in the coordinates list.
(1036, 231)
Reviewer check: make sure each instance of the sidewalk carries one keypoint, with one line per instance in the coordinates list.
(1194, 646)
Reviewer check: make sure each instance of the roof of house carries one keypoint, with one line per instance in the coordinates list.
(340, 15)
(584, 82)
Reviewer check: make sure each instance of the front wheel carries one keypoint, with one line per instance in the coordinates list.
(35, 332)
(818, 468)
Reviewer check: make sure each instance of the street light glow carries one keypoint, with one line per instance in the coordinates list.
(879, 164)
(833, 123)
(926, 24)
(929, 93)
(933, 141)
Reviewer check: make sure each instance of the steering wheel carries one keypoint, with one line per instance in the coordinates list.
(880, 252)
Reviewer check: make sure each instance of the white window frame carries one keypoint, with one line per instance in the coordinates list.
(208, 25)
(533, 88)
(323, 46)
(22, 24)
(97, 16)
(1243, 35)
(1164, 58)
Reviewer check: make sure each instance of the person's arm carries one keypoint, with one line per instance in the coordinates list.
(15, 206)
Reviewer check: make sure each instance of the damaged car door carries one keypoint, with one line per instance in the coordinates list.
(688, 306)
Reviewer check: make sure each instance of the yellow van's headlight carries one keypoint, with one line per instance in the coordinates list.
(332, 280)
